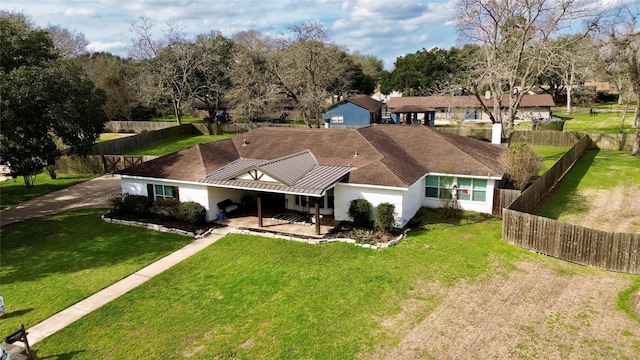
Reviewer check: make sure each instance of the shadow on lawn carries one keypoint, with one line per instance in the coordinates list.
(77, 241)
(565, 191)
(65, 356)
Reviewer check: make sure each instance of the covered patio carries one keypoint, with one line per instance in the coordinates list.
(272, 225)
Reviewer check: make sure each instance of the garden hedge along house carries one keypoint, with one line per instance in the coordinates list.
(320, 171)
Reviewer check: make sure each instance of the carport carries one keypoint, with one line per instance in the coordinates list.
(410, 115)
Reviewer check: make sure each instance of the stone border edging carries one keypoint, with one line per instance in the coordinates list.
(322, 241)
(157, 227)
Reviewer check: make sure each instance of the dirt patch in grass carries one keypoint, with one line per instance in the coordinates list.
(609, 210)
(534, 312)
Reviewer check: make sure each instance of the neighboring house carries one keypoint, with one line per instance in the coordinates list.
(359, 110)
(320, 171)
(415, 109)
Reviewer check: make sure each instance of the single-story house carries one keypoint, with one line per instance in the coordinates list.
(359, 110)
(320, 171)
(426, 109)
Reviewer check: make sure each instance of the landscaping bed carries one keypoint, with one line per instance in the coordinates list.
(164, 224)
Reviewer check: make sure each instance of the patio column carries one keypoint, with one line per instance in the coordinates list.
(259, 203)
(316, 208)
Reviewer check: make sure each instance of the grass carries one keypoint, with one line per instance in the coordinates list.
(51, 263)
(253, 297)
(172, 118)
(594, 170)
(607, 121)
(172, 146)
(112, 136)
(550, 154)
(13, 192)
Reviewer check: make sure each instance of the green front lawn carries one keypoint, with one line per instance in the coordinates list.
(13, 192)
(172, 146)
(250, 297)
(51, 263)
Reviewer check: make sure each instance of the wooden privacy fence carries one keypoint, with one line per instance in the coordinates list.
(616, 142)
(98, 164)
(600, 249)
(138, 126)
(502, 198)
(131, 143)
(596, 248)
(532, 196)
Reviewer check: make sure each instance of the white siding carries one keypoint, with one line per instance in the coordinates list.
(412, 201)
(216, 195)
(344, 193)
(187, 192)
(483, 207)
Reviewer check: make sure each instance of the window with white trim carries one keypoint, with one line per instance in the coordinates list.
(164, 192)
(436, 185)
(472, 189)
(468, 189)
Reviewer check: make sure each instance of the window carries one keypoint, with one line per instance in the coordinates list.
(435, 185)
(472, 189)
(468, 189)
(165, 192)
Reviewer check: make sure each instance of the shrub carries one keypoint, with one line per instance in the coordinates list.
(478, 136)
(360, 212)
(136, 203)
(122, 131)
(166, 207)
(385, 217)
(127, 203)
(521, 164)
(192, 212)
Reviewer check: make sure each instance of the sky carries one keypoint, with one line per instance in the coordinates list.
(382, 28)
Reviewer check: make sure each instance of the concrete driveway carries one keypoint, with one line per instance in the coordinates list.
(94, 193)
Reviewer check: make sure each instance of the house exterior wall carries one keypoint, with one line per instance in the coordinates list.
(483, 207)
(348, 114)
(345, 193)
(412, 201)
(218, 194)
(187, 192)
(290, 204)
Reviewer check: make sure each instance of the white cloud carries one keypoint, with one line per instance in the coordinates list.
(80, 12)
(115, 47)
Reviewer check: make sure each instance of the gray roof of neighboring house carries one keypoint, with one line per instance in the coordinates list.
(384, 155)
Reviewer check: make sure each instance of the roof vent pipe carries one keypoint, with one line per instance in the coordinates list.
(245, 142)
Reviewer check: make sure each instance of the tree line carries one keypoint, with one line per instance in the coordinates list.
(56, 97)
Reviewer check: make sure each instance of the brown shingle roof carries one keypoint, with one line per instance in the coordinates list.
(401, 104)
(387, 155)
(363, 101)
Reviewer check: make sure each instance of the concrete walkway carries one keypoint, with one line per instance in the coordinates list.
(75, 312)
(94, 193)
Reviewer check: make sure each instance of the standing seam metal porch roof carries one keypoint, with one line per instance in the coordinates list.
(296, 173)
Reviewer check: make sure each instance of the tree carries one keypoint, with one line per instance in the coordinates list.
(621, 54)
(48, 107)
(252, 91)
(424, 73)
(115, 76)
(67, 43)
(514, 38)
(175, 70)
(213, 78)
